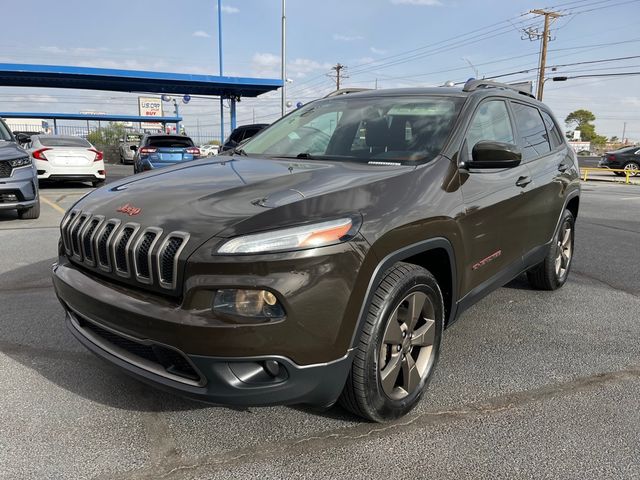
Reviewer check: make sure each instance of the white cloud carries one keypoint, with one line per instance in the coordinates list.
(425, 3)
(227, 9)
(378, 51)
(268, 65)
(346, 38)
(200, 34)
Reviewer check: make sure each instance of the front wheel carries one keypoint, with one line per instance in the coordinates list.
(30, 213)
(553, 271)
(398, 347)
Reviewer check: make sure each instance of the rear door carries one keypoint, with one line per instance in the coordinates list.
(547, 157)
(494, 226)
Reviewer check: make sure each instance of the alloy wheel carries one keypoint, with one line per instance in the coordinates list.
(632, 168)
(406, 353)
(565, 250)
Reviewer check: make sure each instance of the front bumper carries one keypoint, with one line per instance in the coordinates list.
(311, 345)
(22, 185)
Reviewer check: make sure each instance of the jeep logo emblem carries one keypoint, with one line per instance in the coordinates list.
(129, 210)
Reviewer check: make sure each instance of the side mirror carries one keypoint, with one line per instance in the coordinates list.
(133, 147)
(21, 138)
(489, 154)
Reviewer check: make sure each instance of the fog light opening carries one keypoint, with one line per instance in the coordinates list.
(272, 368)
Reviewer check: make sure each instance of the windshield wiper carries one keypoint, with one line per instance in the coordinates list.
(238, 151)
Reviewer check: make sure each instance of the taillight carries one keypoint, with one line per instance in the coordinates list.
(147, 150)
(99, 155)
(193, 151)
(611, 158)
(39, 154)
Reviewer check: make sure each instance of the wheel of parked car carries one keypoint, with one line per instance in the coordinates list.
(632, 167)
(553, 271)
(398, 346)
(30, 213)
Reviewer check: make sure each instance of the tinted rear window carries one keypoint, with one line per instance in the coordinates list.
(175, 142)
(64, 142)
(555, 137)
(4, 132)
(532, 132)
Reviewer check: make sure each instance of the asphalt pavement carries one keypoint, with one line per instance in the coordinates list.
(529, 385)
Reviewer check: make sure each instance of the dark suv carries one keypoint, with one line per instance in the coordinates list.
(324, 259)
(18, 177)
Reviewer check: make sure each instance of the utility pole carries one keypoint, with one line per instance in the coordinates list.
(221, 65)
(338, 68)
(283, 55)
(533, 34)
(624, 132)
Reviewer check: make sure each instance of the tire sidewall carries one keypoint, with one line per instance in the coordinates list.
(385, 408)
(566, 216)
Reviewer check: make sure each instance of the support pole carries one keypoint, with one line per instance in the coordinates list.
(220, 58)
(55, 127)
(232, 114)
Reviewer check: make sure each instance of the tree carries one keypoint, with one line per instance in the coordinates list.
(581, 120)
(108, 136)
(614, 139)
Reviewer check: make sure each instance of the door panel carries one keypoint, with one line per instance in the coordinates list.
(494, 223)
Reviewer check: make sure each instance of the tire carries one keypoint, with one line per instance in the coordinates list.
(634, 167)
(553, 271)
(388, 344)
(97, 183)
(30, 213)
(619, 174)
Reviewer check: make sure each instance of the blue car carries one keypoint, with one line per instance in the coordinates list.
(157, 151)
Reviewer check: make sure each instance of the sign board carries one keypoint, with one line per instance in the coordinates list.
(91, 112)
(580, 146)
(150, 107)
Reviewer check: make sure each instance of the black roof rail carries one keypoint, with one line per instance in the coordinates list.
(473, 85)
(345, 91)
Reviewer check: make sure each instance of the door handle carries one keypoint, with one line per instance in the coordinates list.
(563, 167)
(523, 181)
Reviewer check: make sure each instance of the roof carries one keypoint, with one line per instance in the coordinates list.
(85, 116)
(88, 78)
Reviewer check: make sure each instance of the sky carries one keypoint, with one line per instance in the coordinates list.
(383, 43)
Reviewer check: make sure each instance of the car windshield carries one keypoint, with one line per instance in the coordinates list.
(368, 129)
(64, 142)
(167, 141)
(4, 132)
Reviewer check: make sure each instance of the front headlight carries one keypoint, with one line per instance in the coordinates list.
(306, 236)
(20, 162)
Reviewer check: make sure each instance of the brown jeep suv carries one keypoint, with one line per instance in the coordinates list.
(323, 260)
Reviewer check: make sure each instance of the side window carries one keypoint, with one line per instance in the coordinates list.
(531, 130)
(555, 138)
(490, 122)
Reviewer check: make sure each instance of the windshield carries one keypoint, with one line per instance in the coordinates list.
(4, 132)
(64, 142)
(370, 129)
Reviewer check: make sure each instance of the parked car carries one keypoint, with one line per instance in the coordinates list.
(160, 150)
(124, 149)
(209, 150)
(627, 158)
(66, 158)
(242, 134)
(18, 177)
(311, 268)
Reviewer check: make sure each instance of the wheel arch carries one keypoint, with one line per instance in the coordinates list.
(436, 255)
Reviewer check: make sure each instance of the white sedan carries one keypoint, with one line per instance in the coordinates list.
(58, 157)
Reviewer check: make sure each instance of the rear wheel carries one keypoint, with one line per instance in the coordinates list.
(633, 168)
(398, 347)
(30, 213)
(553, 271)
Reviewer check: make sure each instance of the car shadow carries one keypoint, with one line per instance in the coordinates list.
(44, 345)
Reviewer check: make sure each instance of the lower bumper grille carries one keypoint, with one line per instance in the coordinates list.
(155, 358)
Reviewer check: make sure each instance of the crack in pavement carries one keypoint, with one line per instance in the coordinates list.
(173, 467)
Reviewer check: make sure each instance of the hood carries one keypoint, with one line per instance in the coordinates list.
(231, 195)
(10, 151)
